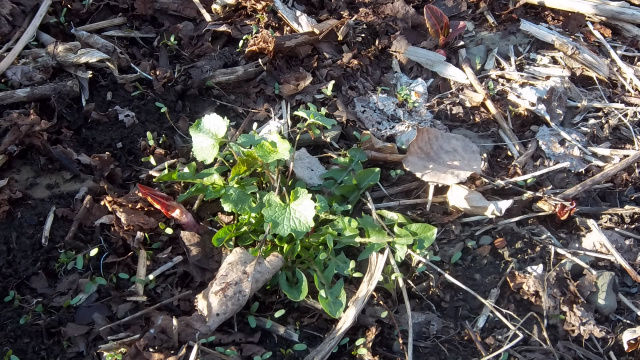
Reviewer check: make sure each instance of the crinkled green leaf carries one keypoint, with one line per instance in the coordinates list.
(274, 148)
(249, 140)
(206, 134)
(294, 218)
(237, 200)
(297, 291)
(245, 165)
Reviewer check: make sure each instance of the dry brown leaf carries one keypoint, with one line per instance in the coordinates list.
(295, 82)
(631, 339)
(500, 243)
(442, 158)
(239, 277)
(372, 143)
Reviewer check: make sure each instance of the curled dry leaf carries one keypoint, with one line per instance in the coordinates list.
(370, 142)
(631, 339)
(473, 203)
(239, 277)
(442, 158)
(295, 82)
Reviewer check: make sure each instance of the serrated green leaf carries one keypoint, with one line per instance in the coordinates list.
(297, 291)
(245, 165)
(334, 299)
(207, 133)
(294, 218)
(237, 200)
(249, 140)
(274, 148)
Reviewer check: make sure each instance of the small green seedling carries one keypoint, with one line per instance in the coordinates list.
(405, 96)
(10, 356)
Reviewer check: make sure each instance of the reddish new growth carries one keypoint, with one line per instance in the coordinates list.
(440, 28)
(564, 212)
(169, 208)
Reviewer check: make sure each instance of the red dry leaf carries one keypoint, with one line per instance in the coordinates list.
(437, 23)
(564, 212)
(169, 207)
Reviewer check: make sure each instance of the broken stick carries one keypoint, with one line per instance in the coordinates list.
(466, 66)
(606, 174)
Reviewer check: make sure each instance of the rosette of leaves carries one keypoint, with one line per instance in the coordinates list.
(312, 227)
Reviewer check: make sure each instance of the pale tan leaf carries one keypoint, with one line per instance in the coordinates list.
(239, 277)
(442, 158)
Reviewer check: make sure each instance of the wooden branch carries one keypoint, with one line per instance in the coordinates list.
(67, 89)
(605, 175)
(103, 24)
(610, 10)
(466, 66)
(26, 37)
(147, 310)
(235, 74)
(285, 43)
(607, 244)
(568, 47)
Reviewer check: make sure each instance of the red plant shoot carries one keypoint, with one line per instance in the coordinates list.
(440, 27)
(169, 208)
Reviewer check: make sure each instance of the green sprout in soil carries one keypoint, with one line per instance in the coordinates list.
(313, 227)
(404, 96)
(10, 356)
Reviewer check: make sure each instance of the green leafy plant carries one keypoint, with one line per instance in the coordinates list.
(61, 18)
(328, 90)
(312, 227)
(171, 42)
(405, 96)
